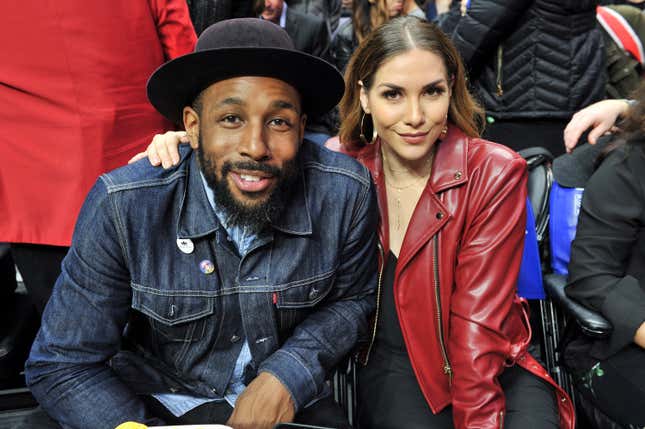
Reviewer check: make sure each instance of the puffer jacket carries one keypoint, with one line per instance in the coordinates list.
(458, 266)
(530, 58)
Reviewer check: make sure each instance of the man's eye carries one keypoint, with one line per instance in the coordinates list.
(231, 119)
(280, 123)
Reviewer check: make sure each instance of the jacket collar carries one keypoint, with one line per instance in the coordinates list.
(197, 218)
(449, 169)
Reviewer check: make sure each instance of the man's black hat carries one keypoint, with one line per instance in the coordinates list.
(243, 47)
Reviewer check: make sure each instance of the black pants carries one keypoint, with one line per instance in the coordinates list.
(616, 386)
(324, 413)
(530, 404)
(39, 266)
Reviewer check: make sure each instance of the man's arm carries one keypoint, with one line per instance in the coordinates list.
(331, 332)
(82, 326)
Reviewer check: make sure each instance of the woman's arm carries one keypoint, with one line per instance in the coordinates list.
(609, 227)
(163, 149)
(484, 303)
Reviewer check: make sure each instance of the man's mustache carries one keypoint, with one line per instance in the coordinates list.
(250, 166)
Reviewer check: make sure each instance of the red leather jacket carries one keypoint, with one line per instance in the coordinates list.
(458, 265)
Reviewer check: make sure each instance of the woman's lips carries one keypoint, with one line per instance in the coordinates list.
(414, 138)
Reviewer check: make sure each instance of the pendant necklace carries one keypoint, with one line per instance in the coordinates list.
(398, 189)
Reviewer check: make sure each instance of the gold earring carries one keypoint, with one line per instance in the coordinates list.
(444, 130)
(362, 135)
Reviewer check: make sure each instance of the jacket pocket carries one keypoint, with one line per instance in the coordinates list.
(296, 301)
(176, 316)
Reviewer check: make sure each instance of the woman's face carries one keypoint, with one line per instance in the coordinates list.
(394, 7)
(409, 101)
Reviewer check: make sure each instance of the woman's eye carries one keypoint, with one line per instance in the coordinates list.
(435, 91)
(391, 95)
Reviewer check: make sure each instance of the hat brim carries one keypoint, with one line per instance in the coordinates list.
(176, 83)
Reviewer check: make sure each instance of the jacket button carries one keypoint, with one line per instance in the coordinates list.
(458, 175)
(313, 293)
(235, 338)
(439, 215)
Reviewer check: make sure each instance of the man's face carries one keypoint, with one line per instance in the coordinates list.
(247, 132)
(272, 10)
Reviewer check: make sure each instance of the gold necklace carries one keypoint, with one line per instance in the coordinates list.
(397, 195)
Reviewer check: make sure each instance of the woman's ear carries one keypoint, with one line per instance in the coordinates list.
(363, 97)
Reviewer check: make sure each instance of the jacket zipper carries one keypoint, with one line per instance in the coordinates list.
(500, 55)
(378, 303)
(447, 369)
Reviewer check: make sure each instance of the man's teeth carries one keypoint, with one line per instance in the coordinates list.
(249, 178)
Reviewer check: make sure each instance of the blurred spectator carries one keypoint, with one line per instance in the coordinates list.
(532, 64)
(328, 10)
(410, 7)
(308, 32)
(206, 12)
(366, 15)
(72, 81)
(606, 274)
(624, 34)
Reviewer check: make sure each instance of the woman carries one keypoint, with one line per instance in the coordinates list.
(606, 274)
(449, 343)
(366, 16)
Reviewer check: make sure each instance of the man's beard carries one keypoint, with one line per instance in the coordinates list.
(242, 214)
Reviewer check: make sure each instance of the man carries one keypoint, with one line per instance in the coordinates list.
(329, 10)
(227, 288)
(309, 33)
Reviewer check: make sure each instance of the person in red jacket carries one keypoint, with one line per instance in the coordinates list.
(73, 88)
(449, 342)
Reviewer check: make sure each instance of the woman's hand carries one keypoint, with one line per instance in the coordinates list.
(600, 117)
(163, 149)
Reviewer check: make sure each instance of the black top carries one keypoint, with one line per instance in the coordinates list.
(606, 272)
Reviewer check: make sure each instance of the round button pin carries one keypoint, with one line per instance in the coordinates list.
(206, 266)
(185, 245)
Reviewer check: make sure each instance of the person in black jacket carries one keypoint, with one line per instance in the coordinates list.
(532, 63)
(607, 274)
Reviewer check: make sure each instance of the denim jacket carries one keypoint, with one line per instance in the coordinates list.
(135, 312)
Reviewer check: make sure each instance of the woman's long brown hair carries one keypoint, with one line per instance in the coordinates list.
(389, 40)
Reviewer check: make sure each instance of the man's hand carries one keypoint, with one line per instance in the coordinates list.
(600, 117)
(264, 402)
(163, 149)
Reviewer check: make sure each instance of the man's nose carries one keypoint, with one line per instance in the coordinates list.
(254, 144)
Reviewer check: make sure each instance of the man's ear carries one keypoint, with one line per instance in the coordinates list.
(303, 124)
(363, 98)
(191, 124)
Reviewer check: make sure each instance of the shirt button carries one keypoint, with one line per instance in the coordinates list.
(313, 293)
(235, 338)
(439, 215)
(458, 175)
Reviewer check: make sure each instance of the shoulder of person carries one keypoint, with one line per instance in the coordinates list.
(320, 158)
(142, 174)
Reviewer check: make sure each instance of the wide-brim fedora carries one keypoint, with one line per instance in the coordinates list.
(244, 47)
